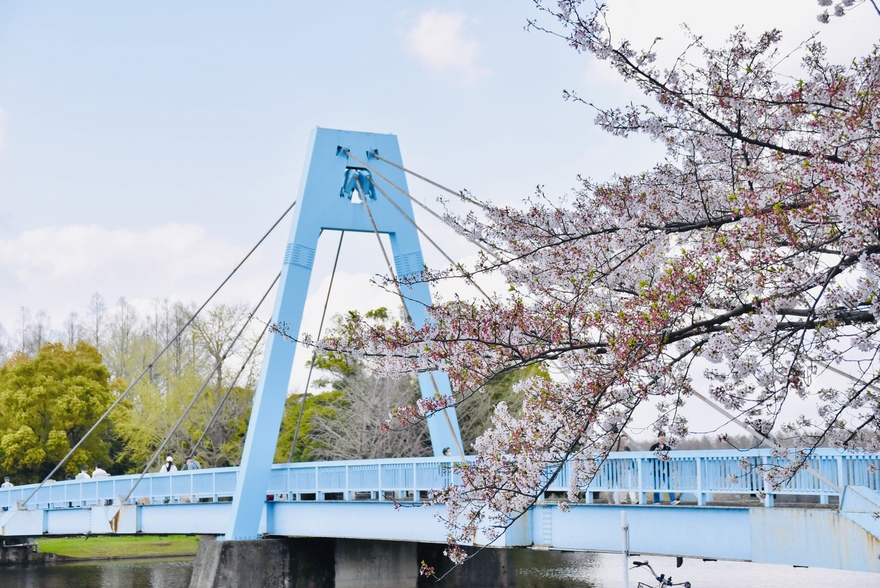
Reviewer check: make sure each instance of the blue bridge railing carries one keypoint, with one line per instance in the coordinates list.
(701, 475)
(705, 474)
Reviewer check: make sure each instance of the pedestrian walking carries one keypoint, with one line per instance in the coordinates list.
(662, 473)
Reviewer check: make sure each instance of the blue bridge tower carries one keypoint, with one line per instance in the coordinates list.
(325, 202)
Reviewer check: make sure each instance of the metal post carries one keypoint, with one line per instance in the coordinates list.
(643, 498)
(625, 528)
(701, 497)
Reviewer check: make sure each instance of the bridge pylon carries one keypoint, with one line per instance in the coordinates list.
(325, 203)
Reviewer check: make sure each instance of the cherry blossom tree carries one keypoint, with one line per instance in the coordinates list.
(841, 8)
(754, 248)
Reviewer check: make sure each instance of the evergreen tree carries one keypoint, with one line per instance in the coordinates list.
(46, 406)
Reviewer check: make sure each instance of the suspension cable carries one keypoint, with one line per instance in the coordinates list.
(382, 248)
(373, 171)
(460, 194)
(375, 154)
(223, 400)
(155, 359)
(302, 405)
(202, 389)
(409, 318)
(430, 240)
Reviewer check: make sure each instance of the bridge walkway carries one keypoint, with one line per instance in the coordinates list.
(727, 511)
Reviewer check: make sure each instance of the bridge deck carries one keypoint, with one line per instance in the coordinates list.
(360, 499)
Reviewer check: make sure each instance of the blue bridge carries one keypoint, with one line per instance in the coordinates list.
(824, 516)
(726, 512)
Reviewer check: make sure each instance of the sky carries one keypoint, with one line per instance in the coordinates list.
(146, 147)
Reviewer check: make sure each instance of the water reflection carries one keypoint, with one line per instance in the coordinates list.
(554, 569)
(537, 569)
(533, 569)
(105, 574)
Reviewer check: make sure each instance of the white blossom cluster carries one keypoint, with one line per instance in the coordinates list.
(839, 9)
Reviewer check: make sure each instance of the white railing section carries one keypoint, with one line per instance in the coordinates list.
(202, 485)
(700, 476)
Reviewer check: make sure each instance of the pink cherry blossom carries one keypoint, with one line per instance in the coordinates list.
(755, 246)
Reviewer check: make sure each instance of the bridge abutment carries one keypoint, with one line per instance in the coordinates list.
(17, 551)
(340, 563)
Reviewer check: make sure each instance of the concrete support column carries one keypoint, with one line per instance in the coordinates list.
(231, 564)
(16, 550)
(377, 564)
(491, 568)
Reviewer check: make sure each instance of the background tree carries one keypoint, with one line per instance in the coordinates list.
(41, 331)
(147, 418)
(324, 402)
(160, 327)
(347, 421)
(475, 413)
(215, 333)
(72, 330)
(754, 248)
(157, 403)
(24, 328)
(97, 309)
(128, 345)
(224, 438)
(121, 341)
(5, 345)
(352, 428)
(47, 404)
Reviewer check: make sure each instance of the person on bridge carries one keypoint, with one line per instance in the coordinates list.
(99, 473)
(626, 473)
(6, 484)
(168, 466)
(191, 464)
(662, 472)
(83, 474)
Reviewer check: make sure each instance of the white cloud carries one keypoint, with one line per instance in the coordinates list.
(57, 269)
(439, 41)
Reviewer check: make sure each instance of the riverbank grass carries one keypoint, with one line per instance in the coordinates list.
(120, 546)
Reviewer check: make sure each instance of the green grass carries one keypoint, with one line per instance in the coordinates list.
(120, 546)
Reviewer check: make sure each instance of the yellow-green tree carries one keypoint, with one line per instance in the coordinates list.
(47, 404)
(318, 406)
(148, 416)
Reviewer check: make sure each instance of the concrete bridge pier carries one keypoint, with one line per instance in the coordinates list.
(225, 564)
(491, 568)
(16, 550)
(340, 563)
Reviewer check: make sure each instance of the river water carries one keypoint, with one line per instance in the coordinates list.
(534, 569)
